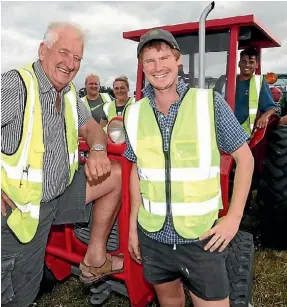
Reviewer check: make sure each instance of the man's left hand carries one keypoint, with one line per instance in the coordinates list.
(98, 165)
(262, 121)
(222, 233)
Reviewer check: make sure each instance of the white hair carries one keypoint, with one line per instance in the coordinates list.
(51, 35)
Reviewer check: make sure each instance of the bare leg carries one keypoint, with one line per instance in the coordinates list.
(198, 302)
(170, 294)
(108, 199)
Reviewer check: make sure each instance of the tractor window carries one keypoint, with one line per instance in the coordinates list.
(217, 45)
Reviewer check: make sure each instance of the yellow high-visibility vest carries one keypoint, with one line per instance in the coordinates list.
(183, 182)
(22, 172)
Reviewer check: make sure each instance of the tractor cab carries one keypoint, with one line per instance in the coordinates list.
(224, 38)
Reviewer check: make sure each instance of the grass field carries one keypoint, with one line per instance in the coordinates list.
(269, 287)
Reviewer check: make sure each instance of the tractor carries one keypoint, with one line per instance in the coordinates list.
(216, 44)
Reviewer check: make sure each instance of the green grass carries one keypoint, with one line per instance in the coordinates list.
(269, 287)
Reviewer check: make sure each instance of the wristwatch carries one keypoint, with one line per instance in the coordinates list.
(98, 147)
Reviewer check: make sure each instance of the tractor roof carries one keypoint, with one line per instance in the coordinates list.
(254, 32)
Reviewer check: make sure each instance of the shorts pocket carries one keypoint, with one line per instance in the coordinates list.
(214, 276)
(7, 291)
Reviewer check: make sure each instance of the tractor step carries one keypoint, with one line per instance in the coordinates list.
(103, 289)
(100, 293)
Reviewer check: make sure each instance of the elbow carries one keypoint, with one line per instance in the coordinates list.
(245, 160)
(249, 162)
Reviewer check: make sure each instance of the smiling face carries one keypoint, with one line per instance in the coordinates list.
(121, 90)
(248, 65)
(160, 66)
(93, 86)
(62, 60)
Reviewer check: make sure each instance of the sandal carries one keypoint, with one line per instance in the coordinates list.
(99, 272)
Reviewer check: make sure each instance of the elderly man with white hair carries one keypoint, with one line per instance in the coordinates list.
(42, 183)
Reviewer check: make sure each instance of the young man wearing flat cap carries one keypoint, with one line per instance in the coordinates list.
(175, 180)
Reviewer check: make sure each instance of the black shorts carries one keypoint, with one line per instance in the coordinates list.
(202, 272)
(22, 264)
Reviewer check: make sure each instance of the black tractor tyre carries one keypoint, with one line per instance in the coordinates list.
(48, 281)
(239, 264)
(272, 192)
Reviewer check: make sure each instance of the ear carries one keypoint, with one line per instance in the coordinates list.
(140, 65)
(179, 61)
(42, 51)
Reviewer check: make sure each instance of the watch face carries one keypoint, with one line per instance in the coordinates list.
(98, 147)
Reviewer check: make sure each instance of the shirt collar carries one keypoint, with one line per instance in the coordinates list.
(149, 92)
(45, 84)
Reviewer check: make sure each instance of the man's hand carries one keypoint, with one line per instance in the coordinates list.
(97, 165)
(134, 246)
(5, 201)
(262, 121)
(283, 120)
(222, 233)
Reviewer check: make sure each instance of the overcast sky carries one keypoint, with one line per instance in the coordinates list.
(106, 52)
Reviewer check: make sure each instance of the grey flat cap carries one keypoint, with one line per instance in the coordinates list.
(157, 34)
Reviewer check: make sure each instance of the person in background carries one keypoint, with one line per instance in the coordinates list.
(252, 93)
(114, 108)
(94, 100)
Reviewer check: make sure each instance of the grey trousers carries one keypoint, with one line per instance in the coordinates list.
(22, 264)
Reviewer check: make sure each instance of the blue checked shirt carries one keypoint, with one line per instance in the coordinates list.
(230, 136)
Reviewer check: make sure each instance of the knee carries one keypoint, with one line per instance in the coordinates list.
(173, 302)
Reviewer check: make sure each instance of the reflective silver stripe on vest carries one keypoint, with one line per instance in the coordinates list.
(132, 124)
(257, 79)
(258, 84)
(203, 128)
(178, 174)
(73, 157)
(34, 210)
(16, 172)
(252, 111)
(106, 108)
(182, 209)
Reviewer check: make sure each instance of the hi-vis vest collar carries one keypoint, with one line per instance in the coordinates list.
(105, 97)
(183, 182)
(110, 108)
(22, 172)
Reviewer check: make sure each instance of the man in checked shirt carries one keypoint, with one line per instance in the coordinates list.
(175, 180)
(42, 183)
